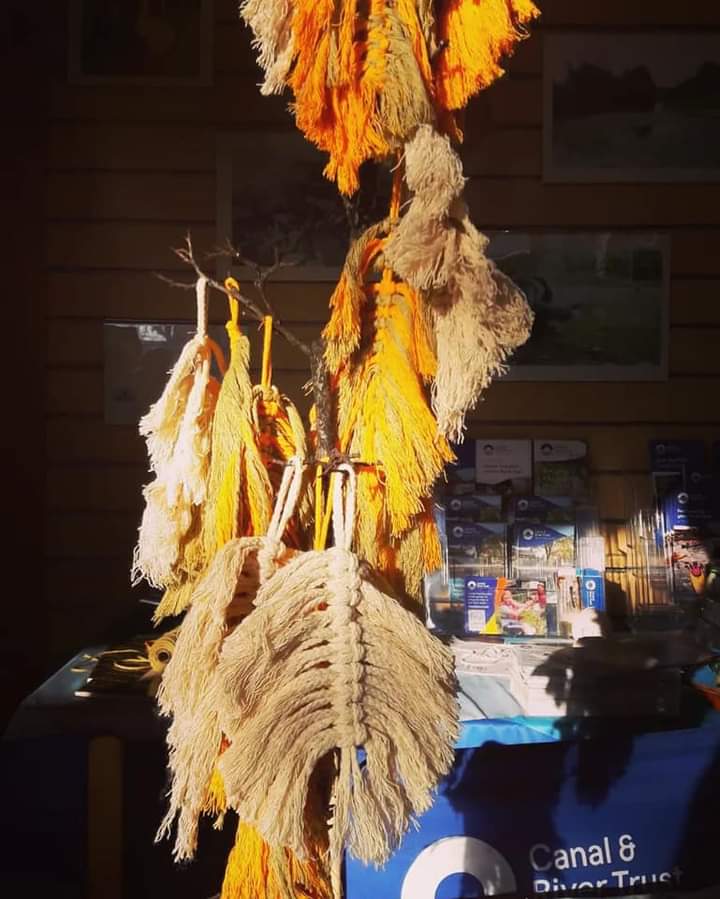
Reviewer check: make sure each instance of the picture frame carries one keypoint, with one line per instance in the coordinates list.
(162, 43)
(600, 299)
(271, 192)
(137, 357)
(631, 107)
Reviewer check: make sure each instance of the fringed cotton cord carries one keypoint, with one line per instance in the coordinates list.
(285, 505)
(202, 306)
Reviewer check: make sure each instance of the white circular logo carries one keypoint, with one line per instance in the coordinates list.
(458, 532)
(528, 534)
(683, 499)
(455, 504)
(458, 855)
(471, 585)
(523, 504)
(590, 585)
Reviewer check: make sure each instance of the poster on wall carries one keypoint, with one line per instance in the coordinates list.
(151, 42)
(632, 107)
(272, 196)
(600, 301)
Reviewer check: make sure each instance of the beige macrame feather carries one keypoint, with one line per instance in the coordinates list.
(479, 316)
(221, 599)
(271, 23)
(420, 249)
(194, 736)
(329, 663)
(177, 429)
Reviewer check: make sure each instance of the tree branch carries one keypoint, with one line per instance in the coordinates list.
(250, 306)
(315, 353)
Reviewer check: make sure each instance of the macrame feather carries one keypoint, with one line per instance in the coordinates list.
(328, 662)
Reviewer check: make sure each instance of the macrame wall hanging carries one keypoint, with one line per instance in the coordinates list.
(304, 693)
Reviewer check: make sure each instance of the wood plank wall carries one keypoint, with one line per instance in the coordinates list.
(131, 169)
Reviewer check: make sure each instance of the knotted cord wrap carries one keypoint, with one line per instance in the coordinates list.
(201, 294)
(223, 597)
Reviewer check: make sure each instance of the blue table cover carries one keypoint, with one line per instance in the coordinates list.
(533, 807)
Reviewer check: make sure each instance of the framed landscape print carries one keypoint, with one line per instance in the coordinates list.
(636, 106)
(153, 42)
(600, 301)
(272, 194)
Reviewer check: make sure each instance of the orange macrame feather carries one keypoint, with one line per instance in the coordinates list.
(476, 34)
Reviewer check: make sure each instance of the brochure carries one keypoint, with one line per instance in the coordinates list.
(537, 550)
(504, 467)
(561, 468)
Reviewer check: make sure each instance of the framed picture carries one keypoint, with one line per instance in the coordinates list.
(600, 302)
(632, 107)
(137, 358)
(151, 42)
(272, 195)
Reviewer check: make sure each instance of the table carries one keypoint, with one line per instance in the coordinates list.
(532, 803)
(535, 807)
(84, 783)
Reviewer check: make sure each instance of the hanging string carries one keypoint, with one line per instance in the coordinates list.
(232, 326)
(201, 295)
(266, 376)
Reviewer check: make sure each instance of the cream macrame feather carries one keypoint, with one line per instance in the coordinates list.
(271, 23)
(420, 249)
(329, 663)
(222, 598)
(177, 429)
(479, 316)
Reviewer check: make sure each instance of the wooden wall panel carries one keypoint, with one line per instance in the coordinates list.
(132, 169)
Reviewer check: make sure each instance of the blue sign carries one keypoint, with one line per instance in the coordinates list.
(607, 814)
(592, 589)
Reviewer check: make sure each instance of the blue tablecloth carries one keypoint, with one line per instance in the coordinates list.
(550, 807)
(532, 805)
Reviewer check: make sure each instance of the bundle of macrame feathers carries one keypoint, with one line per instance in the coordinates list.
(305, 694)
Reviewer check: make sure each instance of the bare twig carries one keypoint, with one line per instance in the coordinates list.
(250, 306)
(182, 285)
(315, 353)
(323, 401)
